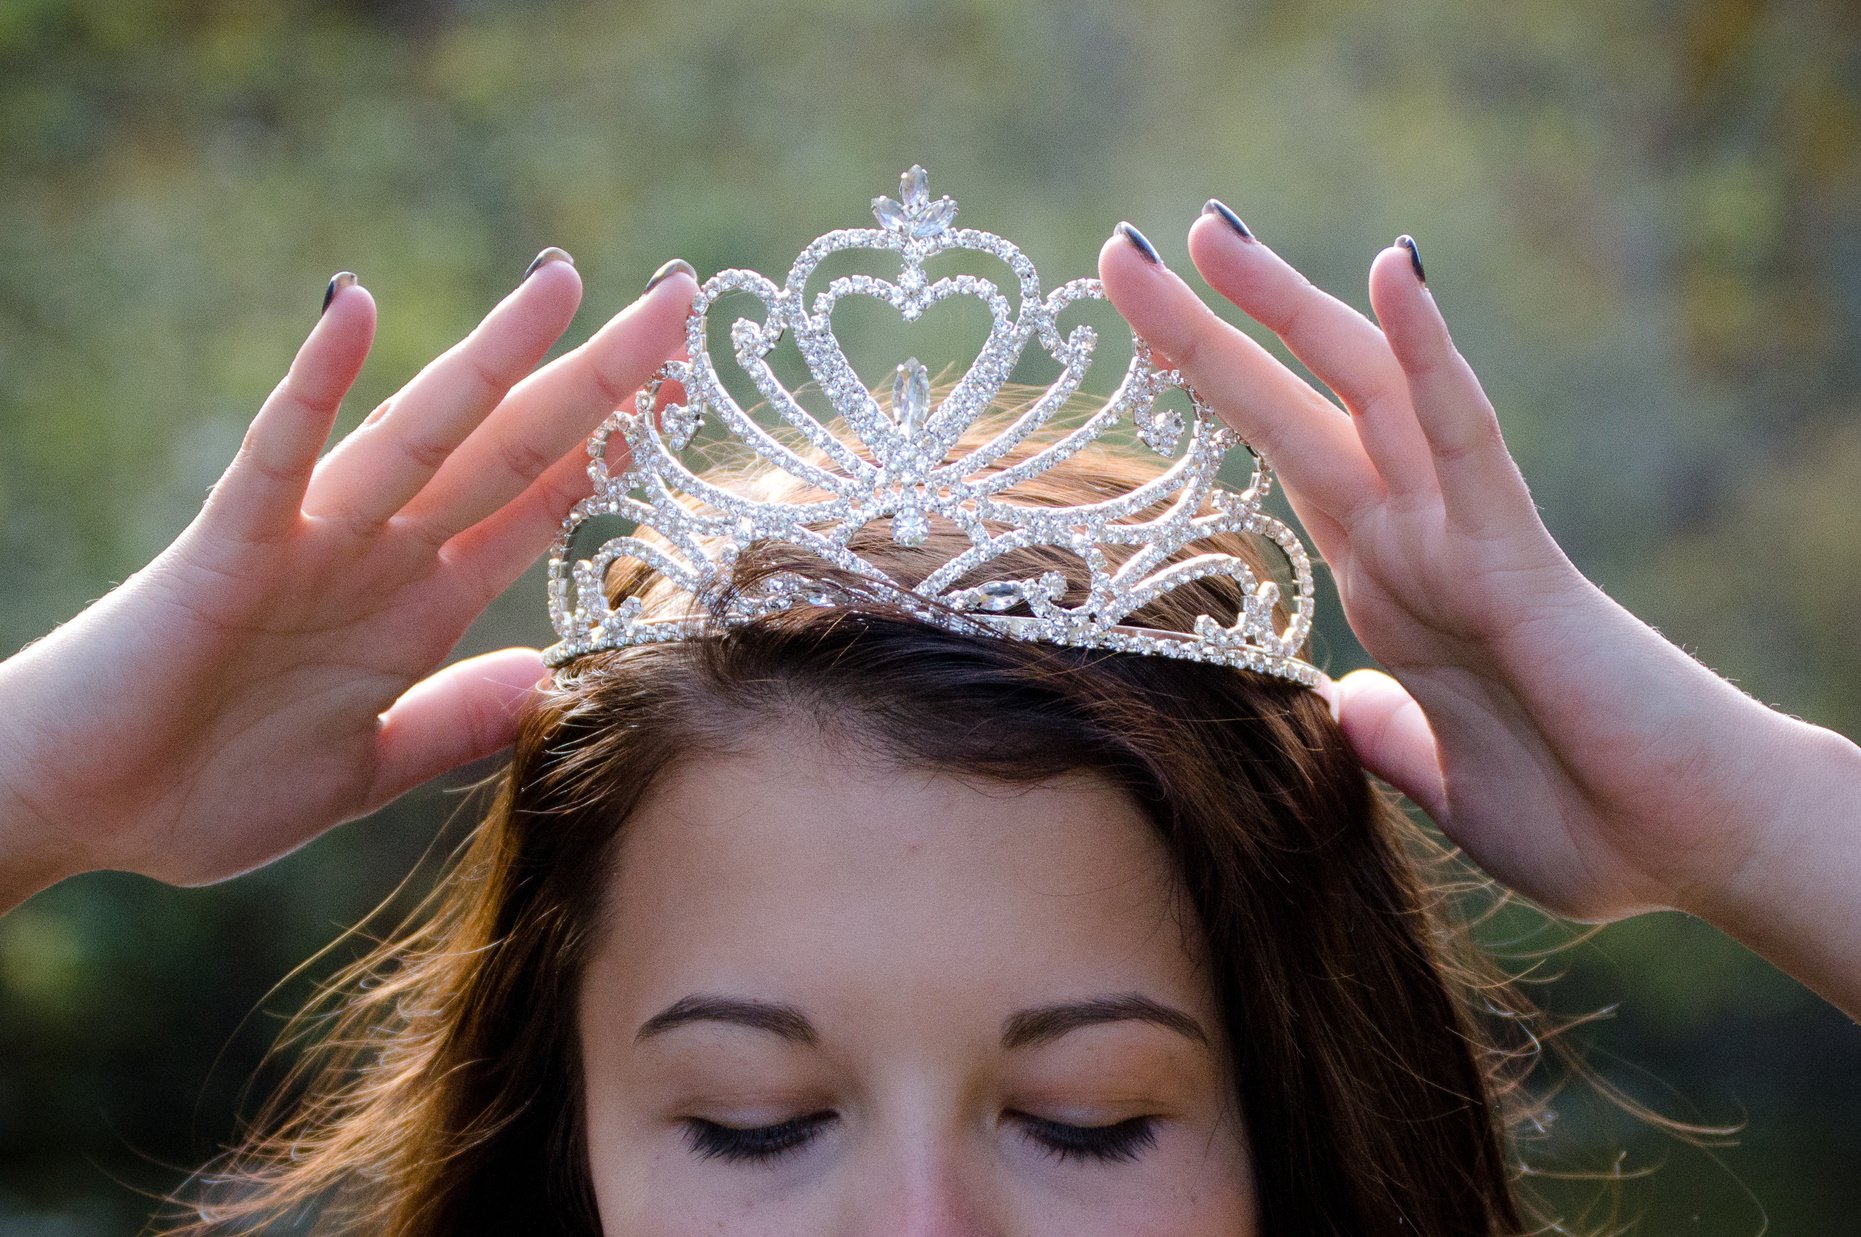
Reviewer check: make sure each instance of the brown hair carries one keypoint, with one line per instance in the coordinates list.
(445, 1099)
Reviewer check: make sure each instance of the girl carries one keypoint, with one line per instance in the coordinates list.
(847, 923)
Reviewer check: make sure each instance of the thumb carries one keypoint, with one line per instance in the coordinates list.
(458, 714)
(1391, 736)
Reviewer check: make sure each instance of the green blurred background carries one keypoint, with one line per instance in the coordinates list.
(1641, 219)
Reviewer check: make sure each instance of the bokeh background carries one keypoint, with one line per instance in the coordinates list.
(1640, 216)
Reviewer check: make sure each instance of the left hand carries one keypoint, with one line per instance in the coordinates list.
(1573, 752)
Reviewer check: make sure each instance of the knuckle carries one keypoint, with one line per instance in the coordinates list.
(490, 381)
(1376, 397)
(361, 526)
(429, 532)
(1479, 437)
(1286, 315)
(308, 395)
(466, 567)
(425, 454)
(612, 387)
(268, 471)
(1436, 360)
(1189, 347)
(1266, 437)
(559, 492)
(523, 458)
(254, 457)
(1185, 349)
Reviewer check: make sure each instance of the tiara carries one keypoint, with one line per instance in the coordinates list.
(870, 462)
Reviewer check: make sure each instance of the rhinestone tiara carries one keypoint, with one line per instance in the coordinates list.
(870, 462)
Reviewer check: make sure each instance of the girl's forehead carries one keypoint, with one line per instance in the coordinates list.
(789, 867)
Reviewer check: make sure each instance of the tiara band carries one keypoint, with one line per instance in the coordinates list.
(897, 465)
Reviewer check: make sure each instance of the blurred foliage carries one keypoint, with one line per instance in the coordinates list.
(1639, 215)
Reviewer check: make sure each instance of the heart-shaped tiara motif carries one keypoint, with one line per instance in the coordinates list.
(894, 462)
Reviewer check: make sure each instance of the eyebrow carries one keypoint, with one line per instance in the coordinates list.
(1049, 1022)
(1024, 1029)
(783, 1021)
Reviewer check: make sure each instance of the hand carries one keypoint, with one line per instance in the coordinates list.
(264, 679)
(1572, 751)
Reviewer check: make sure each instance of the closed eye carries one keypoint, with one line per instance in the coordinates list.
(1121, 1141)
(713, 1140)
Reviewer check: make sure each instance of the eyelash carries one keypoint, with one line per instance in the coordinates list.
(712, 1141)
(1119, 1142)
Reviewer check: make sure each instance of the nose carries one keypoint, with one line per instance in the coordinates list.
(924, 1186)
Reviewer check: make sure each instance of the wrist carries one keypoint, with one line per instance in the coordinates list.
(1726, 795)
(31, 857)
(1796, 811)
(35, 852)
(1791, 898)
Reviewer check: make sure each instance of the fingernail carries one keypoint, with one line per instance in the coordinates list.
(551, 254)
(1140, 241)
(338, 281)
(1218, 207)
(674, 267)
(1415, 255)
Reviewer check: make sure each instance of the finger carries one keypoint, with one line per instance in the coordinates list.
(467, 710)
(1481, 486)
(494, 552)
(1391, 737)
(550, 413)
(374, 472)
(670, 392)
(1344, 349)
(260, 497)
(1307, 439)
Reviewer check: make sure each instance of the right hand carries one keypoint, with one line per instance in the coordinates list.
(266, 677)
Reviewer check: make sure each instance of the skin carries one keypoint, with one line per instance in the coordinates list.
(287, 648)
(903, 924)
(1569, 748)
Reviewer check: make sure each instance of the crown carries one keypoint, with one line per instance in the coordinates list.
(869, 462)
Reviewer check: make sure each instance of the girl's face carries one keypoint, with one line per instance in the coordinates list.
(840, 998)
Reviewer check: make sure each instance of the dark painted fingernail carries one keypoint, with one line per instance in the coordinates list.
(674, 267)
(551, 254)
(1415, 255)
(1218, 207)
(1141, 242)
(338, 281)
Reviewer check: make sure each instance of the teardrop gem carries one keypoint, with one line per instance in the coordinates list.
(914, 186)
(910, 396)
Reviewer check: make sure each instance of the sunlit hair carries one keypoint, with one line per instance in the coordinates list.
(1378, 1059)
